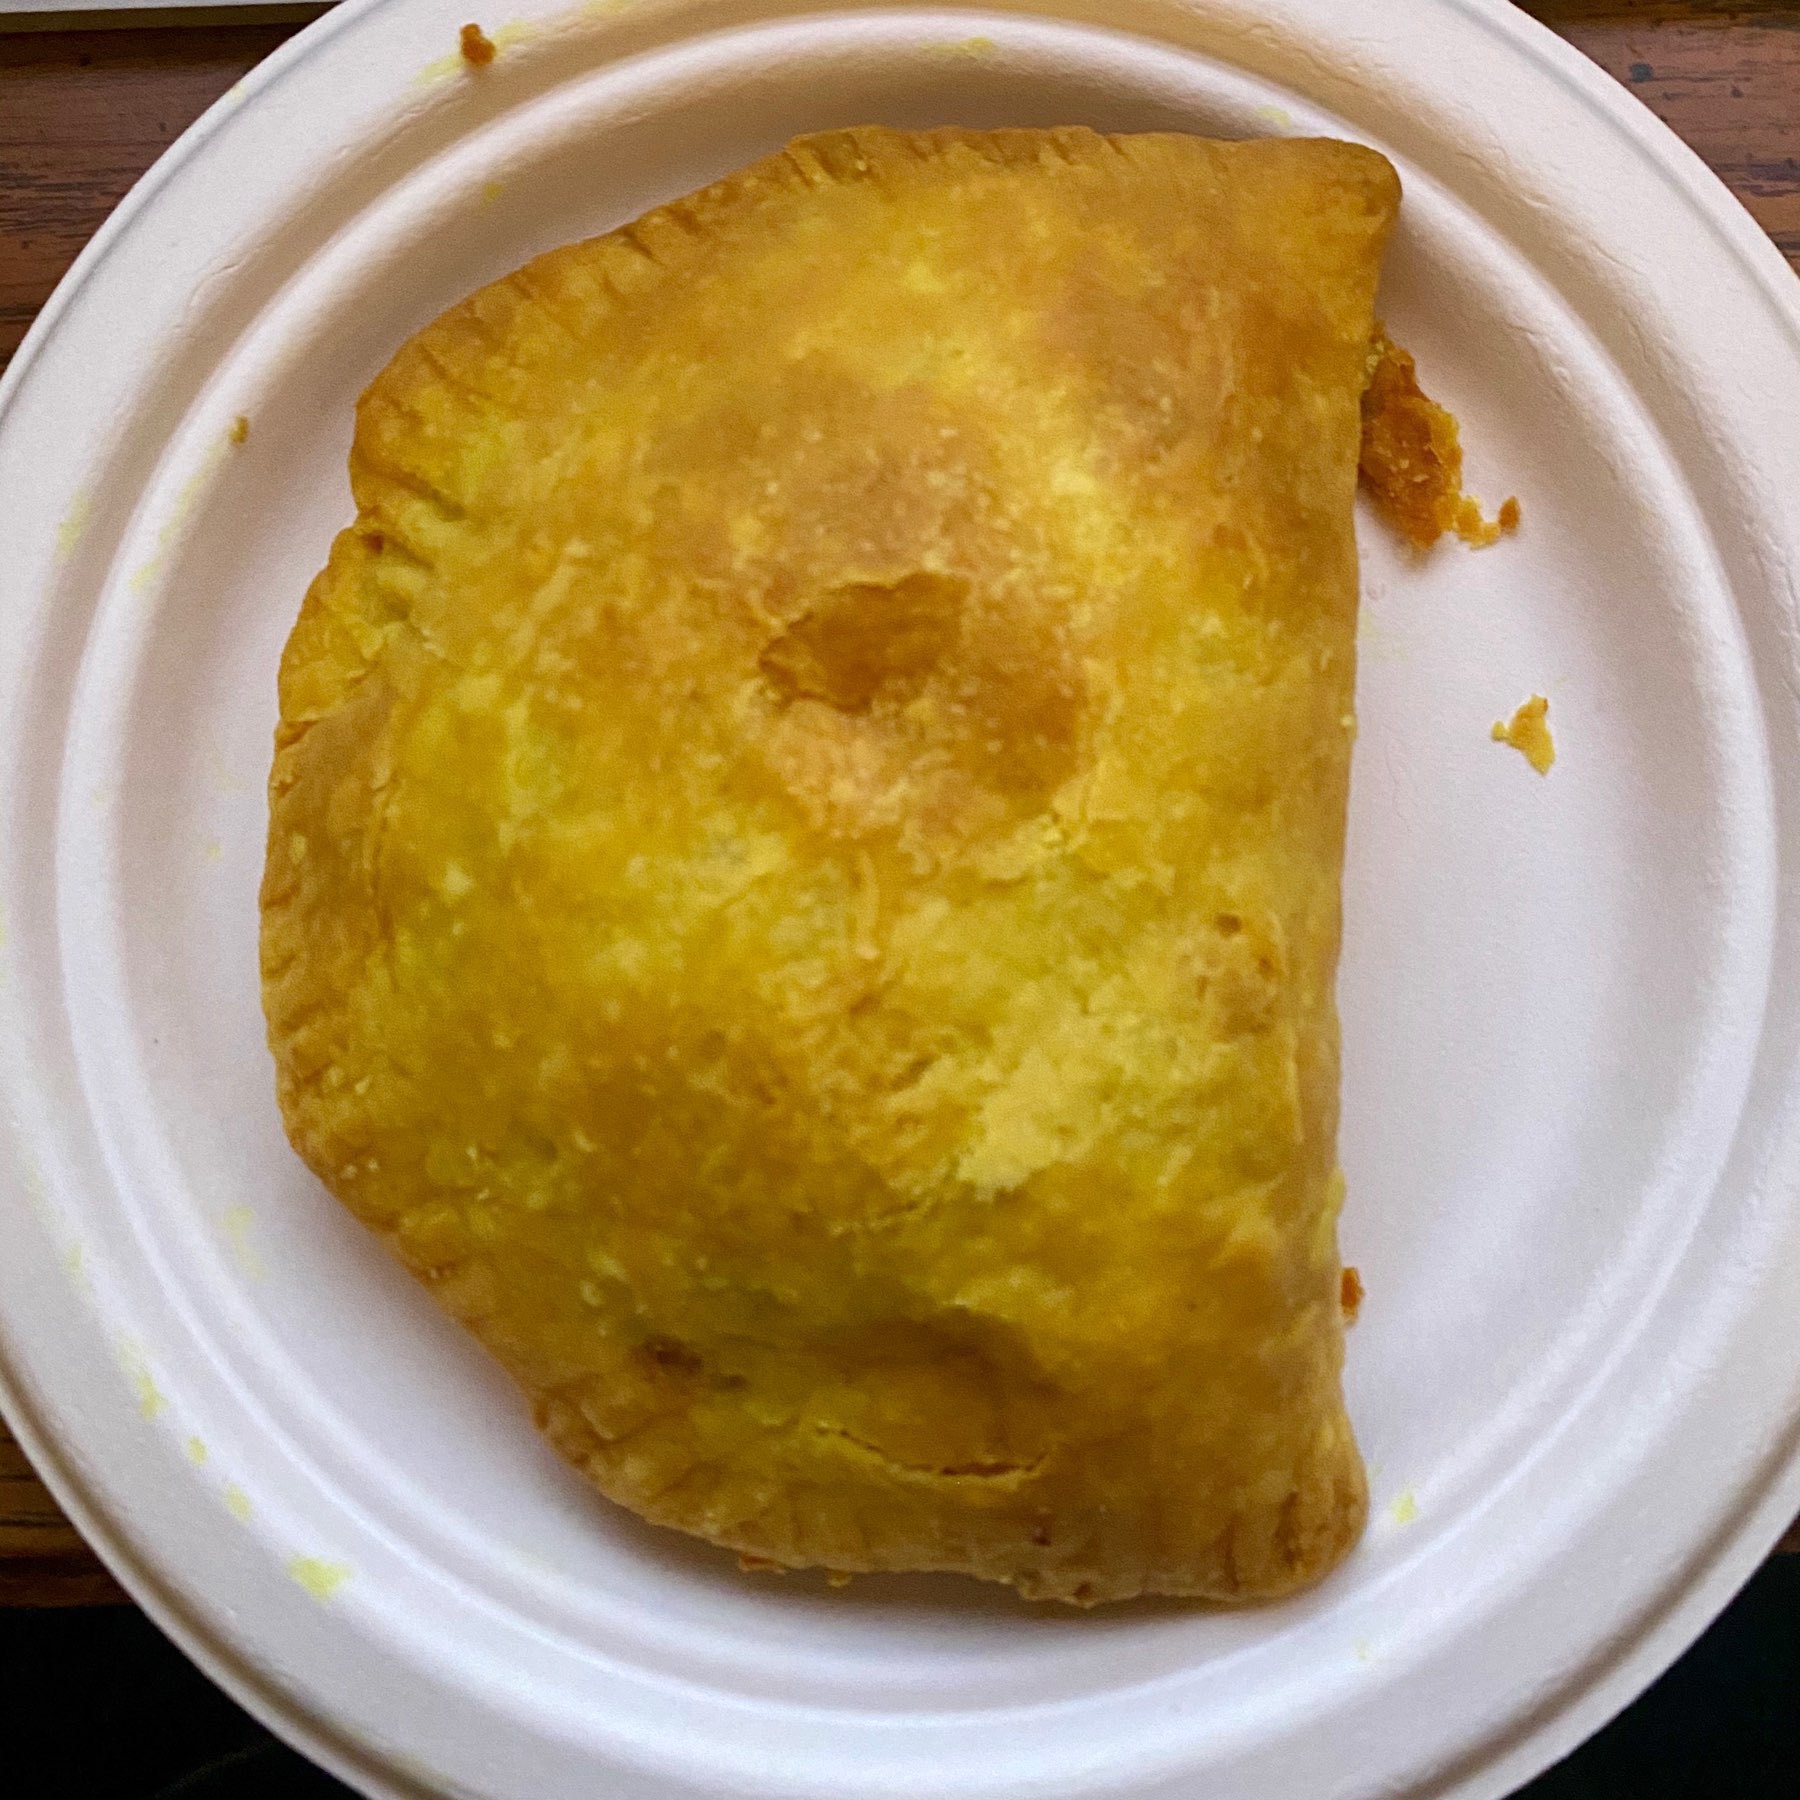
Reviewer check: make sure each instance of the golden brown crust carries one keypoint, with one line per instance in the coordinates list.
(802, 895)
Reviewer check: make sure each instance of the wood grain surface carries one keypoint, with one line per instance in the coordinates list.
(84, 113)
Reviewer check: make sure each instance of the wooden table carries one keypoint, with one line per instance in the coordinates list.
(84, 113)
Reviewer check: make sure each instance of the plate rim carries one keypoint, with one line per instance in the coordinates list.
(1722, 1568)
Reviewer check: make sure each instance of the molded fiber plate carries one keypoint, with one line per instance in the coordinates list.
(1571, 1017)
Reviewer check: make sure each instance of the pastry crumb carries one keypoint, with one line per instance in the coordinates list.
(476, 46)
(1509, 516)
(972, 47)
(318, 1576)
(240, 429)
(1411, 458)
(1528, 731)
(838, 1578)
(1350, 1293)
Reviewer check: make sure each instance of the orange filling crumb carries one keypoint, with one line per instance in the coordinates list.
(477, 47)
(1350, 1294)
(1411, 461)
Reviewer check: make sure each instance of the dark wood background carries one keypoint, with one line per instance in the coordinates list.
(84, 113)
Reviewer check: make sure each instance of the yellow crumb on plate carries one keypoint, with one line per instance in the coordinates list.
(236, 1222)
(1405, 1508)
(1528, 731)
(976, 47)
(320, 1578)
(150, 1399)
(240, 430)
(74, 524)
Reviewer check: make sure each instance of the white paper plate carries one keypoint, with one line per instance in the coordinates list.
(1570, 1004)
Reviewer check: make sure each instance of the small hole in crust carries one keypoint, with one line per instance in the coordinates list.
(866, 637)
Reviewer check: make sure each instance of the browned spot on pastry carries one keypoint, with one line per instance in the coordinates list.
(1350, 1293)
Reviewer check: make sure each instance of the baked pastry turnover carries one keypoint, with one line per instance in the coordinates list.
(803, 880)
